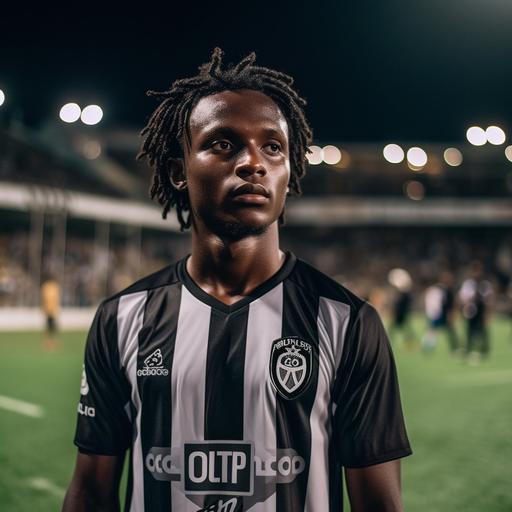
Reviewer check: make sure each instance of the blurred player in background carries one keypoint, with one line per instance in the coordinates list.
(50, 305)
(475, 296)
(401, 280)
(440, 311)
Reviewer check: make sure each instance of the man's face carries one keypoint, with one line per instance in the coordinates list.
(238, 139)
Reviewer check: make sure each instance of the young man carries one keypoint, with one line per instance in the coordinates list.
(240, 377)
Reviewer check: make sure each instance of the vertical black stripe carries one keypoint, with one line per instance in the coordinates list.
(158, 332)
(292, 416)
(224, 386)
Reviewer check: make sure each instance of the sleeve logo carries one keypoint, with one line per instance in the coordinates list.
(291, 365)
(84, 387)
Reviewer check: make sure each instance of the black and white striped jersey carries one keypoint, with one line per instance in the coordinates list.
(251, 406)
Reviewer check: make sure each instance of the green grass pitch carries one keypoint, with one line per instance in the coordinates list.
(459, 420)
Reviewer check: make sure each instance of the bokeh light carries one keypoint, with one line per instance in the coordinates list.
(91, 149)
(316, 156)
(70, 112)
(400, 278)
(453, 157)
(416, 157)
(2, 97)
(476, 136)
(414, 190)
(331, 155)
(508, 153)
(91, 114)
(495, 135)
(393, 153)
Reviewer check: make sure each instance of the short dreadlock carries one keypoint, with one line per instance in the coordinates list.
(166, 126)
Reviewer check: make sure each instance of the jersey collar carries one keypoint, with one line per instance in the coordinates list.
(260, 290)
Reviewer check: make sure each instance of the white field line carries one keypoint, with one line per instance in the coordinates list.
(43, 484)
(488, 378)
(21, 407)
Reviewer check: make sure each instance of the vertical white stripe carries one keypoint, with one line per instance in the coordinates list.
(332, 324)
(188, 384)
(130, 316)
(264, 325)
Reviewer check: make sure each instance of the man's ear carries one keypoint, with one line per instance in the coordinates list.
(177, 173)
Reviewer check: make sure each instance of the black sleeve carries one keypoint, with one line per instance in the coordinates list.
(103, 425)
(368, 423)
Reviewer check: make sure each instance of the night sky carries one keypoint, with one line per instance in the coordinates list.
(417, 70)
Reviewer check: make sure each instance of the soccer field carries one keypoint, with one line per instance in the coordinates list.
(459, 420)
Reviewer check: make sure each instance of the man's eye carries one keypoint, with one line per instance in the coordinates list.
(275, 147)
(222, 145)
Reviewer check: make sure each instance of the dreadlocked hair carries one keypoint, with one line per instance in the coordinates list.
(164, 132)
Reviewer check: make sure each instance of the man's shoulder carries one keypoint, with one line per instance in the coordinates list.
(165, 276)
(320, 284)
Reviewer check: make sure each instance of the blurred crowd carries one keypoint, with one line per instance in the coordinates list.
(361, 259)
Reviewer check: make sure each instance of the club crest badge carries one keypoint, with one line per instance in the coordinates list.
(291, 365)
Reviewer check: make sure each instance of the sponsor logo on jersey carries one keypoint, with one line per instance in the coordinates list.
(84, 387)
(159, 463)
(221, 506)
(291, 365)
(223, 467)
(218, 468)
(153, 365)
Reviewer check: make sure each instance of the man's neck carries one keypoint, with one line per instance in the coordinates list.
(229, 270)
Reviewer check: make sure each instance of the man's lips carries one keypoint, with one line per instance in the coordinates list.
(252, 193)
(250, 198)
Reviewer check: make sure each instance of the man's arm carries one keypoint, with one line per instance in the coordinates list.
(95, 484)
(375, 488)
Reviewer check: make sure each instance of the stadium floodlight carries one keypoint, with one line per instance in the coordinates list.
(508, 153)
(453, 157)
(417, 157)
(495, 135)
(316, 156)
(331, 155)
(2, 97)
(393, 153)
(70, 112)
(91, 114)
(476, 136)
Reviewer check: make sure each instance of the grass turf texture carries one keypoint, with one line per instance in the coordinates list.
(459, 420)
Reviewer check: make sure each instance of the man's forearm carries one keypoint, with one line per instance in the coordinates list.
(83, 499)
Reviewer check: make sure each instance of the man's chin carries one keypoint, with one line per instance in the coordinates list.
(235, 230)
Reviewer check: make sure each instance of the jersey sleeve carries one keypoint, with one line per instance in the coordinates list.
(103, 425)
(368, 422)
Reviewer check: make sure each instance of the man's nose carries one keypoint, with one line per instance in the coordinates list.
(250, 161)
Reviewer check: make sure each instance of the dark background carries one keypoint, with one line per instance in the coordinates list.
(411, 70)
